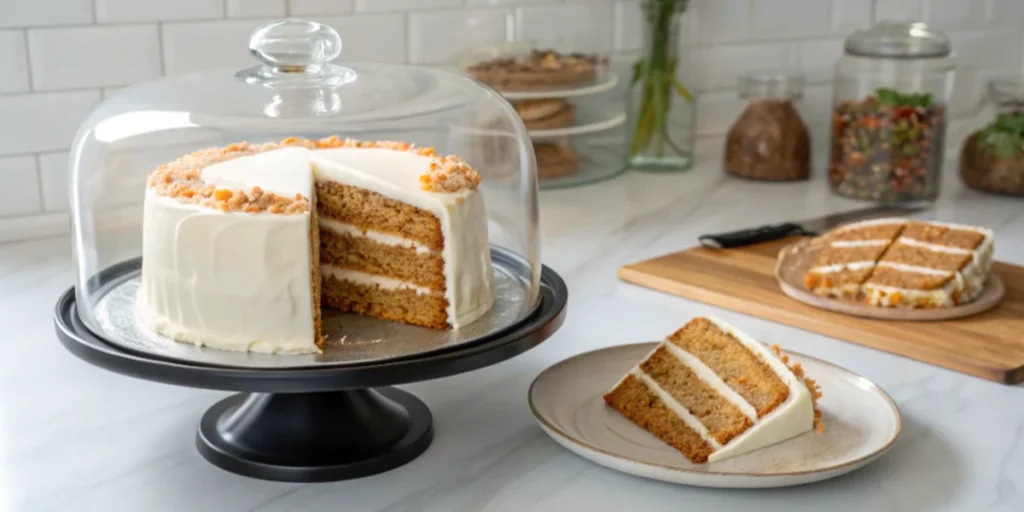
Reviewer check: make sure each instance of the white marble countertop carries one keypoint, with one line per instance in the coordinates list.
(77, 438)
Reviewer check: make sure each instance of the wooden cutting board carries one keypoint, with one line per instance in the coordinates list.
(988, 345)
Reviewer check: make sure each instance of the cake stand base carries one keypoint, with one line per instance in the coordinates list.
(315, 437)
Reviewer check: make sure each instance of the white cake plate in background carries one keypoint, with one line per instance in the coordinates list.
(587, 121)
(861, 423)
(599, 161)
(604, 81)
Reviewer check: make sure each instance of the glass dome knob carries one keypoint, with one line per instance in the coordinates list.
(295, 46)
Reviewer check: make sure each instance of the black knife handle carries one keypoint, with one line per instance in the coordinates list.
(752, 236)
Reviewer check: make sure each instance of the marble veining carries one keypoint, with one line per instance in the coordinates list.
(77, 438)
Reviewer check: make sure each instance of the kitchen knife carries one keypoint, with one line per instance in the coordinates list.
(810, 227)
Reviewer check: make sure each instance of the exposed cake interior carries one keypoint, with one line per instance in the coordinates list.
(712, 392)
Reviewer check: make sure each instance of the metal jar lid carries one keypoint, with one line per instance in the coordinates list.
(898, 41)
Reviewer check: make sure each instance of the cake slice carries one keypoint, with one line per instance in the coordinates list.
(932, 264)
(848, 256)
(712, 393)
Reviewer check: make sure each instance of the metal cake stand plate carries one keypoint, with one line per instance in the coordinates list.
(319, 422)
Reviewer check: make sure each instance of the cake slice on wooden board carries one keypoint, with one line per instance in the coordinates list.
(848, 255)
(932, 264)
(712, 393)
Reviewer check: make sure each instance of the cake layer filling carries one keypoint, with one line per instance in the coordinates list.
(366, 294)
(724, 355)
(385, 255)
(696, 388)
(367, 210)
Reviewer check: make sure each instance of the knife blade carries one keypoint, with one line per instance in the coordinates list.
(809, 227)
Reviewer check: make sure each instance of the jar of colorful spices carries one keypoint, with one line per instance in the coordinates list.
(892, 86)
(992, 159)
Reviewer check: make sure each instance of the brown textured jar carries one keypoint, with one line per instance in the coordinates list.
(992, 159)
(769, 141)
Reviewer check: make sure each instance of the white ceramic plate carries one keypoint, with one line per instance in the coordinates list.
(588, 122)
(861, 423)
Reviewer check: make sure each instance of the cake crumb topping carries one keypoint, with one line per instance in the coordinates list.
(812, 386)
(181, 179)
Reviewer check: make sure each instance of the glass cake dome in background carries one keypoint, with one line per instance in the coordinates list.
(293, 89)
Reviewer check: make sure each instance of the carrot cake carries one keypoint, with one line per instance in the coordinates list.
(537, 70)
(903, 263)
(545, 114)
(712, 392)
(242, 244)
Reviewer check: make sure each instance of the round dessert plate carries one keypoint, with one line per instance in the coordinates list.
(604, 81)
(598, 162)
(350, 339)
(861, 423)
(796, 259)
(588, 121)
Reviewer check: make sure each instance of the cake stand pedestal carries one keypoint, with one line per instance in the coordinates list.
(316, 424)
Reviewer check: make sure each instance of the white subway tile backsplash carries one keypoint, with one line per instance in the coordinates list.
(1006, 13)
(13, 61)
(817, 58)
(78, 57)
(19, 186)
(992, 49)
(849, 15)
(627, 35)
(545, 26)
(721, 21)
(771, 19)
(53, 174)
(255, 8)
(27, 13)
(404, 5)
(727, 63)
(898, 10)
(371, 37)
(716, 112)
(441, 36)
(42, 121)
(500, 3)
(953, 14)
(319, 7)
(119, 11)
(203, 45)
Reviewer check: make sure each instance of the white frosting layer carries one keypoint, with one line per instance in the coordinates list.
(385, 283)
(395, 174)
(789, 419)
(376, 236)
(842, 244)
(682, 412)
(933, 247)
(227, 280)
(284, 171)
(917, 269)
(840, 267)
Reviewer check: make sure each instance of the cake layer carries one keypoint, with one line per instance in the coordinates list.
(950, 235)
(345, 246)
(382, 297)
(742, 370)
(722, 418)
(876, 229)
(909, 252)
(367, 210)
(649, 409)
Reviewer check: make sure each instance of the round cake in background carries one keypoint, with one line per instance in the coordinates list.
(536, 70)
(545, 114)
(556, 159)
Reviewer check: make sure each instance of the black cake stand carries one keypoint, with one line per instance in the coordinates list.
(316, 424)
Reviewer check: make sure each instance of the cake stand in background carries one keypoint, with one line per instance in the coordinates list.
(596, 141)
(303, 417)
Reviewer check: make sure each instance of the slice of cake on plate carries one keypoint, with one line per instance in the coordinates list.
(932, 264)
(241, 244)
(847, 256)
(712, 393)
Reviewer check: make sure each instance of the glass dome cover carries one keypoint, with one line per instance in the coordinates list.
(295, 90)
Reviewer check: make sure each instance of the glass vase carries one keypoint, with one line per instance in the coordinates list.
(661, 111)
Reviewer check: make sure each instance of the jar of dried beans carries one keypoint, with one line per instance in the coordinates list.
(992, 159)
(892, 86)
(769, 141)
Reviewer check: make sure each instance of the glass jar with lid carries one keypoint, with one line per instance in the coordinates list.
(892, 87)
(992, 159)
(769, 140)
